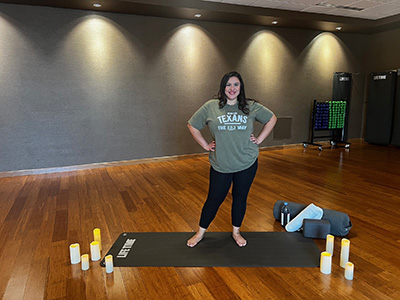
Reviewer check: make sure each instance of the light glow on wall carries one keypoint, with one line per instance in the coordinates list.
(99, 50)
(13, 43)
(190, 36)
(267, 55)
(189, 45)
(91, 41)
(189, 55)
(324, 56)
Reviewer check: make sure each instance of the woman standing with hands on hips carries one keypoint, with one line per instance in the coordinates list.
(233, 152)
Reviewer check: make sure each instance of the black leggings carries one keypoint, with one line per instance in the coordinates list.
(220, 184)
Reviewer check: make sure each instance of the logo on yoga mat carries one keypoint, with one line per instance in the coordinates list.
(123, 253)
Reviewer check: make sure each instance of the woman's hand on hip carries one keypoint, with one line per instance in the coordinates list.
(254, 140)
(210, 146)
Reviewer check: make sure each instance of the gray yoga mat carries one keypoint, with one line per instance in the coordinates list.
(217, 249)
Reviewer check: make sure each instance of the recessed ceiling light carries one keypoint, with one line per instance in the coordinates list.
(339, 28)
(197, 15)
(275, 22)
(97, 5)
(327, 5)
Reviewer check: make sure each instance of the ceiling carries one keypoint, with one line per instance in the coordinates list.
(360, 16)
(365, 9)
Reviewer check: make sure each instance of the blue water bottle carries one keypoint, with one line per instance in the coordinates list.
(285, 214)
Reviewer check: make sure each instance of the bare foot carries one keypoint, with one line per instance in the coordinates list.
(240, 241)
(195, 239)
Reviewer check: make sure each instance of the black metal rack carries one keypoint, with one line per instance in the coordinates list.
(329, 116)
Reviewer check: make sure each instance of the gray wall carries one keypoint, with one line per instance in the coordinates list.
(384, 49)
(78, 87)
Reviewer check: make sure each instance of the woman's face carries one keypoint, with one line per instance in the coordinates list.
(232, 88)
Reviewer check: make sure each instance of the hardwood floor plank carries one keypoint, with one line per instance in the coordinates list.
(36, 284)
(16, 209)
(22, 266)
(9, 255)
(199, 291)
(241, 285)
(129, 204)
(60, 231)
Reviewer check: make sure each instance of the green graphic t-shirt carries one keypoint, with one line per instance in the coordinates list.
(231, 129)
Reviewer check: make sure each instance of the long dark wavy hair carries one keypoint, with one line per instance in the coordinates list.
(242, 100)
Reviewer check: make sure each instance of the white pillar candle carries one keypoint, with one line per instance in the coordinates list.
(85, 262)
(109, 264)
(94, 251)
(329, 243)
(75, 253)
(344, 252)
(349, 271)
(97, 237)
(326, 263)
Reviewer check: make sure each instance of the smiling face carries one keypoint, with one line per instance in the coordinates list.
(232, 89)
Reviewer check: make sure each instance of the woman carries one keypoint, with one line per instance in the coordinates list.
(233, 151)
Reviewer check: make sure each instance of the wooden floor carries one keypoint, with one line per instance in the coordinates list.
(41, 215)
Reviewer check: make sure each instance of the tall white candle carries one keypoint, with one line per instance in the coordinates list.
(94, 251)
(349, 271)
(109, 264)
(85, 262)
(326, 263)
(97, 237)
(344, 252)
(330, 240)
(75, 253)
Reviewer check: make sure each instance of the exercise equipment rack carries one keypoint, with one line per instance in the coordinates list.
(329, 115)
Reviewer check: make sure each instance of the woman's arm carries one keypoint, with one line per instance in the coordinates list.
(200, 139)
(266, 130)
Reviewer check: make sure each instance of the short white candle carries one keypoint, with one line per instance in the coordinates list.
(85, 262)
(326, 263)
(344, 252)
(94, 251)
(349, 271)
(330, 239)
(97, 237)
(75, 253)
(109, 264)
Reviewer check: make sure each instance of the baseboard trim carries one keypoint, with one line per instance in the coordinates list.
(97, 165)
(128, 162)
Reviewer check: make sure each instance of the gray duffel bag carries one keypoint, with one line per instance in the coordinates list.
(340, 222)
